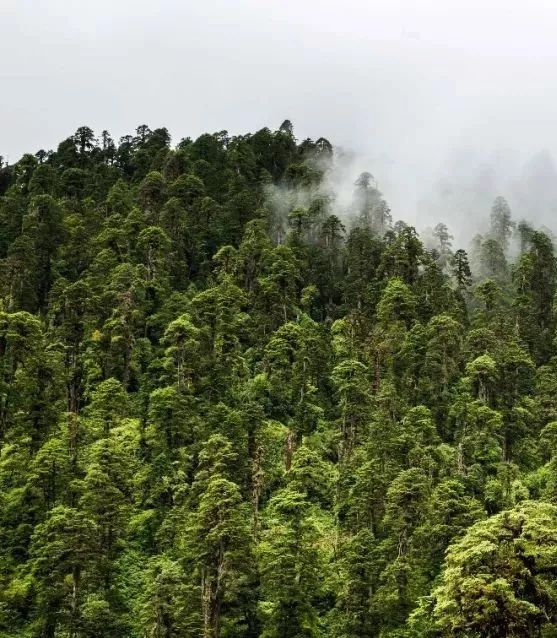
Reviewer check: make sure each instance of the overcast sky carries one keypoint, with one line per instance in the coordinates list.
(437, 97)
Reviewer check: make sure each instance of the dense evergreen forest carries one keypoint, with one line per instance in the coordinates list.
(230, 408)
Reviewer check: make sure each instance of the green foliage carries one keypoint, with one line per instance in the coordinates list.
(231, 409)
(499, 580)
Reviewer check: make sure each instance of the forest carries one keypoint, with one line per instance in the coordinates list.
(232, 408)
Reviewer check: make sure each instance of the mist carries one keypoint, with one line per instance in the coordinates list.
(447, 104)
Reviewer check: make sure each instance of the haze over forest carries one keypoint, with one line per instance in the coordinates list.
(447, 105)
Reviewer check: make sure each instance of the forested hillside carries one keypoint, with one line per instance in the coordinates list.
(230, 407)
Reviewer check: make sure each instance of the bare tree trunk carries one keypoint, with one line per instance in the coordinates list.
(76, 577)
(289, 450)
(256, 486)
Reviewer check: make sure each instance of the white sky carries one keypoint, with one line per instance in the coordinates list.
(414, 86)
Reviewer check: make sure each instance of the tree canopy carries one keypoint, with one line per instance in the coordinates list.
(232, 407)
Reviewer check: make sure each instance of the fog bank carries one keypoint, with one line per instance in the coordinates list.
(447, 104)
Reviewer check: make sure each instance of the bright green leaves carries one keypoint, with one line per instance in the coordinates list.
(292, 558)
(499, 580)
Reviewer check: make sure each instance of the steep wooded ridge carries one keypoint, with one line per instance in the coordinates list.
(229, 408)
